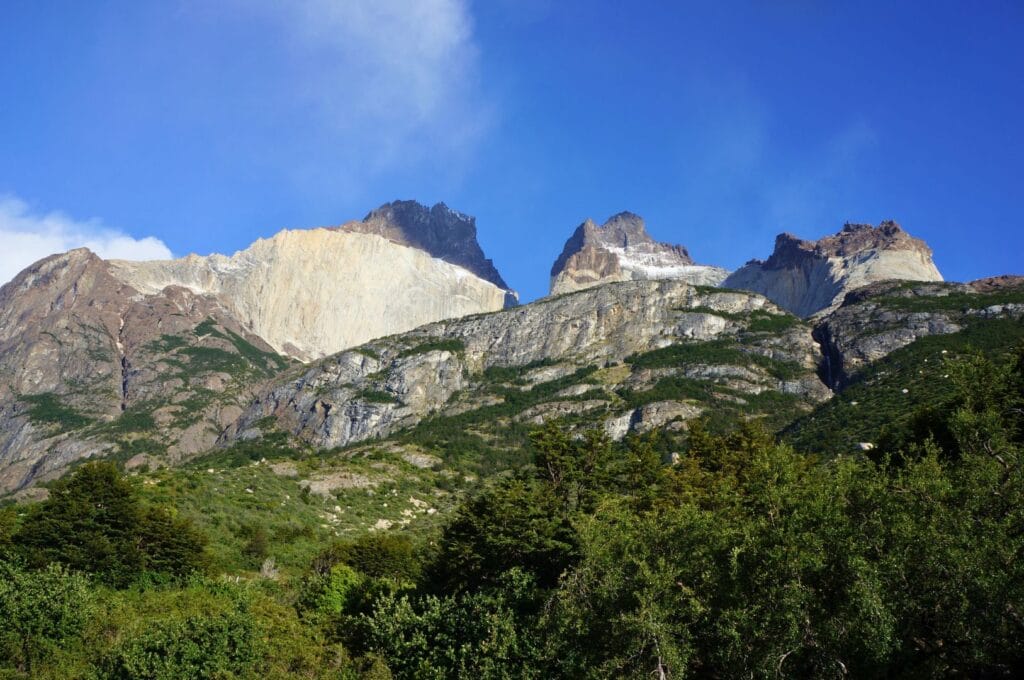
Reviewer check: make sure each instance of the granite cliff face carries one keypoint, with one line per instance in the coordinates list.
(314, 292)
(811, 278)
(464, 365)
(622, 250)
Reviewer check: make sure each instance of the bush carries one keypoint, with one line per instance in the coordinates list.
(221, 645)
(41, 611)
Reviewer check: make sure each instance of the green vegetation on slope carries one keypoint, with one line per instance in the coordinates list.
(743, 559)
(886, 398)
(47, 409)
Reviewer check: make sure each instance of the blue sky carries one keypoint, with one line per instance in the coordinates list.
(147, 128)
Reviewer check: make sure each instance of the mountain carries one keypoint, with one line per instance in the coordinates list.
(313, 292)
(120, 358)
(622, 250)
(370, 332)
(810, 278)
(91, 366)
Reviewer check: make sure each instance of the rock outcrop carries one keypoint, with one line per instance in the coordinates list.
(452, 366)
(811, 278)
(877, 319)
(622, 250)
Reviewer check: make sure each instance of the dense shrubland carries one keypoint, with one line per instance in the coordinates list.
(744, 558)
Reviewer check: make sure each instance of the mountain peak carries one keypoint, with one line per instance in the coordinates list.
(622, 250)
(442, 232)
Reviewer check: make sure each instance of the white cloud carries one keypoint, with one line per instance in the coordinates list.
(392, 80)
(27, 236)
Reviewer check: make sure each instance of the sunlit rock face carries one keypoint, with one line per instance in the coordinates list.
(313, 292)
(622, 250)
(811, 278)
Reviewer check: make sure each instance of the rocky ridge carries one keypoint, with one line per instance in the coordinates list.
(554, 347)
(622, 250)
(811, 278)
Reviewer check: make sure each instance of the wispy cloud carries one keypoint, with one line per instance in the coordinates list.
(392, 81)
(27, 236)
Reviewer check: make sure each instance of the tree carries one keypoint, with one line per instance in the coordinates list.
(169, 544)
(90, 523)
(218, 645)
(93, 522)
(514, 523)
(574, 469)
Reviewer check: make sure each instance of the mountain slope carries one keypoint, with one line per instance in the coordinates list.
(603, 355)
(888, 351)
(89, 366)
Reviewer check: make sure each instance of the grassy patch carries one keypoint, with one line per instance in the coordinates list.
(166, 343)
(257, 357)
(208, 327)
(514, 374)
(765, 322)
(47, 409)
(439, 345)
(367, 352)
(674, 388)
(713, 353)
(952, 302)
(212, 360)
(376, 397)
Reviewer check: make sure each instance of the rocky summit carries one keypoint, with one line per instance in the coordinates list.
(444, 233)
(809, 278)
(622, 250)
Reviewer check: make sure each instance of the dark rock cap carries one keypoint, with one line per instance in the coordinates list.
(851, 239)
(444, 233)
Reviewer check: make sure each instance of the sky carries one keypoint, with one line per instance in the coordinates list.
(151, 129)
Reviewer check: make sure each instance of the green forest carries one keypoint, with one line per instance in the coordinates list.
(738, 557)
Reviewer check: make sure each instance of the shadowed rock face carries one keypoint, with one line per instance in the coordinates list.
(809, 278)
(444, 233)
(622, 250)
